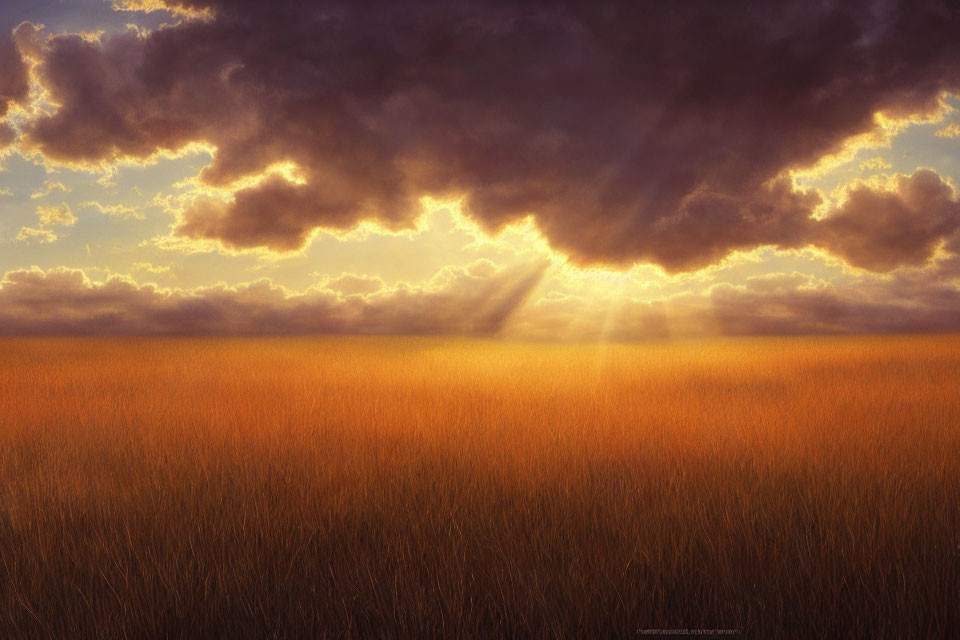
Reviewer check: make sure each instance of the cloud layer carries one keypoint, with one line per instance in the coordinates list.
(477, 299)
(921, 301)
(650, 132)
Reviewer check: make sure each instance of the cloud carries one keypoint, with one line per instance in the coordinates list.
(115, 210)
(875, 163)
(476, 299)
(951, 131)
(153, 269)
(31, 235)
(47, 216)
(7, 136)
(796, 304)
(773, 304)
(481, 299)
(49, 186)
(884, 229)
(354, 284)
(14, 85)
(649, 132)
(55, 216)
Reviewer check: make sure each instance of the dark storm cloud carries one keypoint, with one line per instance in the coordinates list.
(14, 85)
(13, 74)
(633, 131)
(7, 135)
(477, 299)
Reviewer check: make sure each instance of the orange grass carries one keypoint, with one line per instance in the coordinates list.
(391, 487)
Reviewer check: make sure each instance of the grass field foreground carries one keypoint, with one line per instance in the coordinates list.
(389, 487)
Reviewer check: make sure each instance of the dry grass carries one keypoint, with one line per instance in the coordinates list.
(384, 487)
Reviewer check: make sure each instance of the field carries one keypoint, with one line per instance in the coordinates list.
(359, 487)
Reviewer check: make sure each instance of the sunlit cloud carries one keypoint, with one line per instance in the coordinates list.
(159, 5)
(49, 187)
(115, 210)
(877, 163)
(154, 269)
(55, 216)
(951, 131)
(38, 236)
(884, 129)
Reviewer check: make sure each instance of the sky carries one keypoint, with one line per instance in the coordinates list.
(533, 170)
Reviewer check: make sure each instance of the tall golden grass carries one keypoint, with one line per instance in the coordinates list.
(400, 487)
